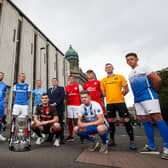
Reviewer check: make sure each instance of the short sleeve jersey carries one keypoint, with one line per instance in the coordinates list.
(94, 88)
(3, 89)
(73, 94)
(141, 85)
(22, 91)
(112, 87)
(37, 94)
(89, 113)
(46, 113)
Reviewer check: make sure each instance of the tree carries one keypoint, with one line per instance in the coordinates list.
(163, 92)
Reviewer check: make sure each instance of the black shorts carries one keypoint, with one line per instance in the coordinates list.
(113, 108)
(46, 129)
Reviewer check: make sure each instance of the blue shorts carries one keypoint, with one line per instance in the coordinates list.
(93, 129)
(1, 110)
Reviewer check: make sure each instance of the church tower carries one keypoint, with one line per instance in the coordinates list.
(72, 56)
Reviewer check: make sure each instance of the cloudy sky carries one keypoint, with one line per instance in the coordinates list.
(104, 31)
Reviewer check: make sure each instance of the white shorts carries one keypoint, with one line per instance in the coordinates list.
(147, 107)
(72, 111)
(20, 110)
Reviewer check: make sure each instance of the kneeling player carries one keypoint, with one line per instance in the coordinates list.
(46, 121)
(91, 121)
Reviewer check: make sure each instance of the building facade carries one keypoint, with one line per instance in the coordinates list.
(24, 48)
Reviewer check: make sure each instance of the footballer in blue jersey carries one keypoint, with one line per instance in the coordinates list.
(3, 89)
(141, 84)
(145, 84)
(21, 92)
(37, 94)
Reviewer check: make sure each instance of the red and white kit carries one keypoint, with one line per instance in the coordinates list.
(73, 99)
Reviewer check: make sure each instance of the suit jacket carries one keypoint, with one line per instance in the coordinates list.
(57, 96)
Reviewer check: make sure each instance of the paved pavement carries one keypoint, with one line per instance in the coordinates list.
(74, 155)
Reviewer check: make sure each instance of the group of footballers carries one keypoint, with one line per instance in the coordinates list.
(86, 115)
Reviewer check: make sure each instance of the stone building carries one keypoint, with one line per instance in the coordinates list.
(25, 48)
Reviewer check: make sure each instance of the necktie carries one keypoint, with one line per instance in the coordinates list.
(52, 89)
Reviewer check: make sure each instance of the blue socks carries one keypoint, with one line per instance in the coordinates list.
(104, 137)
(163, 129)
(148, 127)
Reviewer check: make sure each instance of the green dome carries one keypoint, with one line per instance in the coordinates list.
(71, 54)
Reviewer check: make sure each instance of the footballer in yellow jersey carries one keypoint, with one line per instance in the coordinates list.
(114, 87)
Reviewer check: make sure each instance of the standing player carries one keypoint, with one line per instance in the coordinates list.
(3, 89)
(91, 121)
(93, 86)
(114, 88)
(145, 84)
(21, 94)
(37, 94)
(73, 104)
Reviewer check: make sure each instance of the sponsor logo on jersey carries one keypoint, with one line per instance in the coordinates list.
(25, 87)
(47, 112)
(91, 89)
(72, 94)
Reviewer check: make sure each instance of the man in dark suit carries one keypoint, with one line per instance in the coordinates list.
(56, 95)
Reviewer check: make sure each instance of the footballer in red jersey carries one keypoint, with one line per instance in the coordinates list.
(73, 104)
(93, 86)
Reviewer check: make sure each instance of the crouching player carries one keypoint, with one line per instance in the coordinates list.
(46, 121)
(91, 121)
